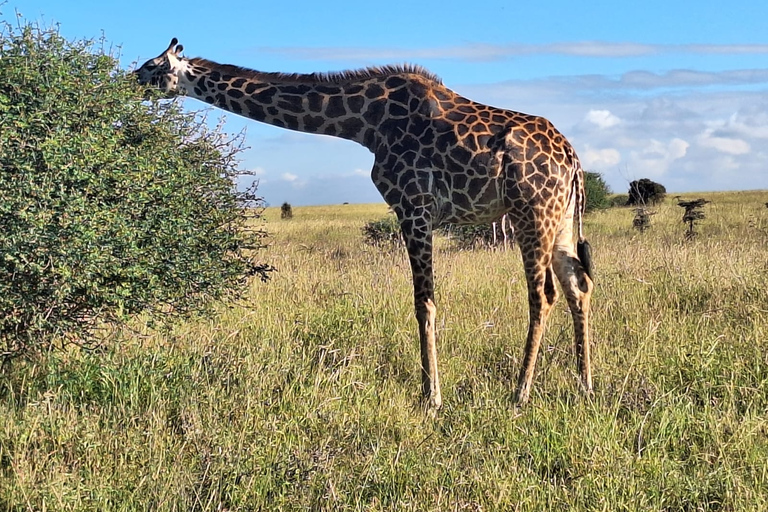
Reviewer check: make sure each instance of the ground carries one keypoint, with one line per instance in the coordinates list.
(306, 396)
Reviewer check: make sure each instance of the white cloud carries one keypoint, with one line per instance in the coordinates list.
(725, 165)
(692, 78)
(602, 118)
(722, 49)
(494, 52)
(599, 158)
(634, 82)
(655, 159)
(287, 176)
(729, 145)
(677, 148)
(751, 122)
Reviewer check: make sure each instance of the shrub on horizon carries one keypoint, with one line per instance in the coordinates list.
(646, 192)
(286, 211)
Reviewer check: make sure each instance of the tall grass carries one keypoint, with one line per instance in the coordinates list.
(307, 396)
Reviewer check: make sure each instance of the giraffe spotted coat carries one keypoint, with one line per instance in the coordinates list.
(438, 158)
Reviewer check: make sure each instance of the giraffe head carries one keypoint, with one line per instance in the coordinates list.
(163, 71)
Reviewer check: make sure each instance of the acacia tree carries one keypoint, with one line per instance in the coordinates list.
(110, 204)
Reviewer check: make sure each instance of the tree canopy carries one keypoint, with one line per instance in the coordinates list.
(111, 203)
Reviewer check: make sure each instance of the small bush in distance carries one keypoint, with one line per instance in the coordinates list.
(642, 219)
(384, 231)
(645, 192)
(110, 205)
(470, 236)
(286, 212)
(618, 200)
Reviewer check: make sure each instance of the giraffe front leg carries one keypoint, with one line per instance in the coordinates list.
(583, 358)
(417, 232)
(430, 381)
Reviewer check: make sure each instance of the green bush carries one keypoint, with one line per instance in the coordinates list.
(597, 190)
(468, 236)
(618, 200)
(384, 231)
(110, 205)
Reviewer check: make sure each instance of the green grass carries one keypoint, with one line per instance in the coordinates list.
(307, 396)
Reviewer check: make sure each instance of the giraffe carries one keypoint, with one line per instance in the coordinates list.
(438, 158)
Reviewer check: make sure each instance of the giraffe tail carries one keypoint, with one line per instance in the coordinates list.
(583, 249)
(584, 252)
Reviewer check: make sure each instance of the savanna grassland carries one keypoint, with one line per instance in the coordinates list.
(306, 396)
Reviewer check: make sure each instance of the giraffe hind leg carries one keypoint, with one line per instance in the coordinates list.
(542, 294)
(573, 270)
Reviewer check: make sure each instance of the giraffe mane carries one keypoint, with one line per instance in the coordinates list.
(333, 77)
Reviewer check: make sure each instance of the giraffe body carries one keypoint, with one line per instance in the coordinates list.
(438, 158)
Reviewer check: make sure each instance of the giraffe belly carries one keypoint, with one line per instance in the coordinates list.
(480, 205)
(474, 218)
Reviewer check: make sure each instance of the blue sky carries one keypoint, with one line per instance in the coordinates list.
(676, 91)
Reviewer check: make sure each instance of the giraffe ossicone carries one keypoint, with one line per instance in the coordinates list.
(438, 158)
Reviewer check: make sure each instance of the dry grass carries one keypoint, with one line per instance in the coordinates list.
(307, 396)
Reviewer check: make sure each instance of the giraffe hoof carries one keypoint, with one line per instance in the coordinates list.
(521, 397)
(432, 404)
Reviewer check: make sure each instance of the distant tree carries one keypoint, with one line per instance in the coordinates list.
(286, 212)
(597, 191)
(645, 192)
(111, 204)
(693, 214)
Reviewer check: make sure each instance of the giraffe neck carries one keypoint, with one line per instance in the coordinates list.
(354, 105)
